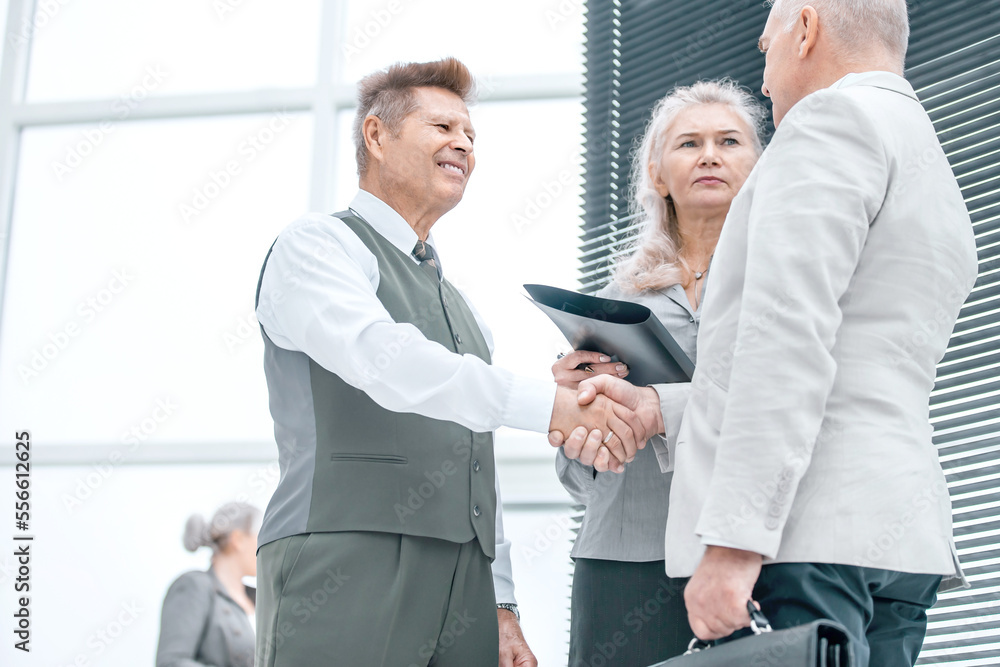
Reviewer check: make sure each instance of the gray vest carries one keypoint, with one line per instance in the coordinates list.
(356, 466)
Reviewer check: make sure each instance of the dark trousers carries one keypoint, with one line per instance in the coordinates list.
(884, 612)
(625, 614)
(374, 600)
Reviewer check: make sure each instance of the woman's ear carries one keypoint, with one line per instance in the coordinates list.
(237, 540)
(658, 184)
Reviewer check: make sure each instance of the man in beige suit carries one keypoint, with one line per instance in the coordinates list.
(805, 476)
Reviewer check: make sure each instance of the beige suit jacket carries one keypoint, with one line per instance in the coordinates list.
(836, 284)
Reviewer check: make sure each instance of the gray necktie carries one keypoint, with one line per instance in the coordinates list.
(425, 253)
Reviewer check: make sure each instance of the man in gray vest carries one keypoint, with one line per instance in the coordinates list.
(376, 547)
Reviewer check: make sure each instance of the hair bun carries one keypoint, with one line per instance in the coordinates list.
(196, 533)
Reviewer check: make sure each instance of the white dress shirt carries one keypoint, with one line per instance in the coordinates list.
(328, 309)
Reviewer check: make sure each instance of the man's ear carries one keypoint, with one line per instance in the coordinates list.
(374, 132)
(807, 30)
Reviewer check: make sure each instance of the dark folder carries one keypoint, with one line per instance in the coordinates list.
(623, 330)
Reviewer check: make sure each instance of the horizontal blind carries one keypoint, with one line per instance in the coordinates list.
(636, 52)
(954, 64)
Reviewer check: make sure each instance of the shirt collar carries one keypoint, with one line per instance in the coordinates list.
(386, 221)
(677, 294)
(886, 80)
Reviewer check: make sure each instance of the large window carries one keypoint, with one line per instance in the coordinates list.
(149, 154)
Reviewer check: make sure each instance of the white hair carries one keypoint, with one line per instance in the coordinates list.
(653, 258)
(858, 24)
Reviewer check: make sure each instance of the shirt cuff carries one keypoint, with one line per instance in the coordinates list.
(717, 542)
(503, 577)
(673, 401)
(529, 404)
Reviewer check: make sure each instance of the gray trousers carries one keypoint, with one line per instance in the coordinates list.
(374, 599)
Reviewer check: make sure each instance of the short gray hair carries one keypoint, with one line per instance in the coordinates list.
(388, 94)
(856, 23)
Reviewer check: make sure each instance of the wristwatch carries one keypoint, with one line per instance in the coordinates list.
(509, 606)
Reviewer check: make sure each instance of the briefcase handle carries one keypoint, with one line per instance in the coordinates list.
(758, 623)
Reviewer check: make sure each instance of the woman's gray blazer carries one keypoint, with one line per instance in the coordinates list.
(202, 625)
(626, 513)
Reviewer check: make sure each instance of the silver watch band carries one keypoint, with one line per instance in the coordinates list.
(509, 606)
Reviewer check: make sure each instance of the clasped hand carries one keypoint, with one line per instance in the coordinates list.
(604, 421)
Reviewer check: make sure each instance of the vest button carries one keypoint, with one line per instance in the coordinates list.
(475, 466)
(444, 300)
(476, 511)
(458, 338)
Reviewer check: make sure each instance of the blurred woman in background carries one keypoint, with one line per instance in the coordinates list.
(699, 147)
(208, 617)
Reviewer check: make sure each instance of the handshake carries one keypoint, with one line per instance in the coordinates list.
(604, 421)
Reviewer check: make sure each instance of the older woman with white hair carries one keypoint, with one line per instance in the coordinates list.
(208, 616)
(699, 147)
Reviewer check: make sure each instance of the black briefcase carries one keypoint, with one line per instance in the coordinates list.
(817, 644)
